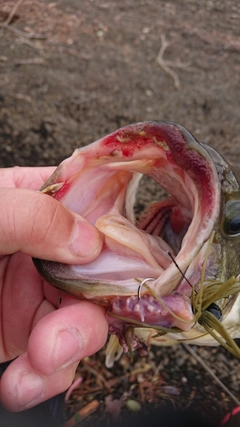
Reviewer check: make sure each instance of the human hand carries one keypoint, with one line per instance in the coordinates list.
(49, 341)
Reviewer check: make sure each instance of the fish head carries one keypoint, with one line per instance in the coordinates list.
(156, 273)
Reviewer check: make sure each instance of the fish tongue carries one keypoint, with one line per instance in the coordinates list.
(124, 238)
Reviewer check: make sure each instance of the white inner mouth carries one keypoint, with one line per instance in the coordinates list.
(105, 196)
(100, 181)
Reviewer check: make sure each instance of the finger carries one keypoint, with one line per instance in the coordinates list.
(56, 345)
(66, 336)
(25, 177)
(38, 225)
(21, 387)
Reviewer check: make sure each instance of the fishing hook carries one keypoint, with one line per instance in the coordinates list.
(142, 284)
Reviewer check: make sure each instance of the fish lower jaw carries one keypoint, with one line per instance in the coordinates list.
(130, 315)
(174, 312)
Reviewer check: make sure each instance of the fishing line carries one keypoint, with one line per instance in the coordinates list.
(213, 308)
(179, 269)
(207, 312)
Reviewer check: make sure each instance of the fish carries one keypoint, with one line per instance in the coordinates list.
(173, 274)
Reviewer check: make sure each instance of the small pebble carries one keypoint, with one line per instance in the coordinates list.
(133, 405)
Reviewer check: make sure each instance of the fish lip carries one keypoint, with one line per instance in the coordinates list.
(175, 138)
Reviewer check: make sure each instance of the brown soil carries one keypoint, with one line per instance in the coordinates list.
(72, 71)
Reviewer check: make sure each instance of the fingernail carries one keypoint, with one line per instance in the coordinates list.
(30, 384)
(68, 348)
(86, 240)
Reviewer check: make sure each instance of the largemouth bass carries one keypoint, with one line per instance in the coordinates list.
(172, 275)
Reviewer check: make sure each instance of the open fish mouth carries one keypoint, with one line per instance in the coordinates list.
(149, 271)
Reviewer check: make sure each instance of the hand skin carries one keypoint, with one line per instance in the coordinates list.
(49, 341)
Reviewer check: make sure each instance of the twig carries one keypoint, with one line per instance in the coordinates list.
(83, 413)
(98, 376)
(29, 61)
(25, 40)
(166, 65)
(6, 25)
(24, 34)
(199, 359)
(227, 41)
(11, 14)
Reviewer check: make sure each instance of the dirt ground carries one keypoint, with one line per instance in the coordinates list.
(72, 71)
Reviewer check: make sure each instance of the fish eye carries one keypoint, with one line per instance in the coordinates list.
(232, 219)
(215, 310)
(234, 225)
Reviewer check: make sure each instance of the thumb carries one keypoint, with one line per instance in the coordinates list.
(38, 225)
